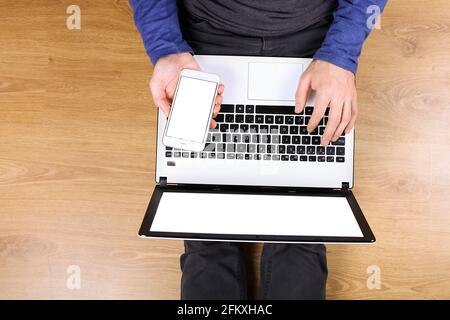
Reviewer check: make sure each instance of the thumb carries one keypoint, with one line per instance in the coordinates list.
(160, 99)
(303, 90)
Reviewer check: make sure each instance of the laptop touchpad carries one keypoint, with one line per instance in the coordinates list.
(273, 81)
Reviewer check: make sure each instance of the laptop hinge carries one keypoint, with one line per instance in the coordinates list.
(163, 181)
(345, 186)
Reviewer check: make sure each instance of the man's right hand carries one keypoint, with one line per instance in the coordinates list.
(165, 77)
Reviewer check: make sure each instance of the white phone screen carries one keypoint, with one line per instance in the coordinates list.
(191, 109)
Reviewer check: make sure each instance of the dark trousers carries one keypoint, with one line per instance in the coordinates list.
(216, 270)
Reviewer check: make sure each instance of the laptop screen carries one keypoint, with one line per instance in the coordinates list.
(255, 214)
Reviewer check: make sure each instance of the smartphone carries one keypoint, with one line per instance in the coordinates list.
(191, 110)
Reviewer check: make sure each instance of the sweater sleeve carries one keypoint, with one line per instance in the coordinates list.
(157, 21)
(348, 31)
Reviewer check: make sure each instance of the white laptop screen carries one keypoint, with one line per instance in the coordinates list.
(253, 214)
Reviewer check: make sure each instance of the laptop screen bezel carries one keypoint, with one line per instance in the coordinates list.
(368, 236)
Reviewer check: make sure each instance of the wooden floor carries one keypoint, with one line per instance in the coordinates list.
(77, 129)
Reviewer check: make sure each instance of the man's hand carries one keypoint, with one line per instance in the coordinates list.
(165, 77)
(335, 88)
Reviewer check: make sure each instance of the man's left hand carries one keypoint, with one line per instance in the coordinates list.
(335, 88)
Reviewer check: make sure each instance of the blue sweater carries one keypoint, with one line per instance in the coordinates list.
(157, 21)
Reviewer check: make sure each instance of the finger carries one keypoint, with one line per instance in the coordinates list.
(334, 118)
(213, 124)
(351, 124)
(160, 100)
(345, 119)
(303, 90)
(220, 89)
(320, 107)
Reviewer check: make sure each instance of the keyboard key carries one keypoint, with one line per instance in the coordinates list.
(216, 137)
(240, 108)
(290, 149)
(265, 138)
(211, 155)
(274, 129)
(307, 120)
(239, 156)
(168, 154)
(231, 147)
(293, 158)
(279, 120)
(254, 128)
(257, 157)
(263, 128)
(220, 147)
(234, 127)
(296, 139)
(276, 157)
(250, 108)
(229, 118)
(306, 140)
(281, 149)
(239, 118)
(316, 140)
(284, 129)
(269, 119)
(194, 155)
(286, 139)
(267, 157)
(301, 149)
(320, 150)
(321, 130)
(251, 148)
(275, 109)
(298, 120)
(330, 159)
(259, 118)
(227, 108)
(303, 158)
(315, 131)
(168, 148)
(321, 158)
(185, 154)
(284, 157)
(261, 148)
(210, 147)
(312, 158)
(221, 156)
(310, 150)
(293, 129)
(289, 119)
(219, 118)
(240, 147)
(309, 110)
(243, 127)
(330, 150)
(303, 130)
(248, 156)
(339, 142)
(275, 139)
(249, 118)
(224, 127)
(203, 155)
(231, 156)
(340, 151)
(340, 159)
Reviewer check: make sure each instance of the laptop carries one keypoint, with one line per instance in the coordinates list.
(261, 177)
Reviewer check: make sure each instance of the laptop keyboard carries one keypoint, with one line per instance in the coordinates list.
(276, 133)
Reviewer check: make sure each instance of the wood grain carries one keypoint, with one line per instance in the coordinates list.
(77, 157)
